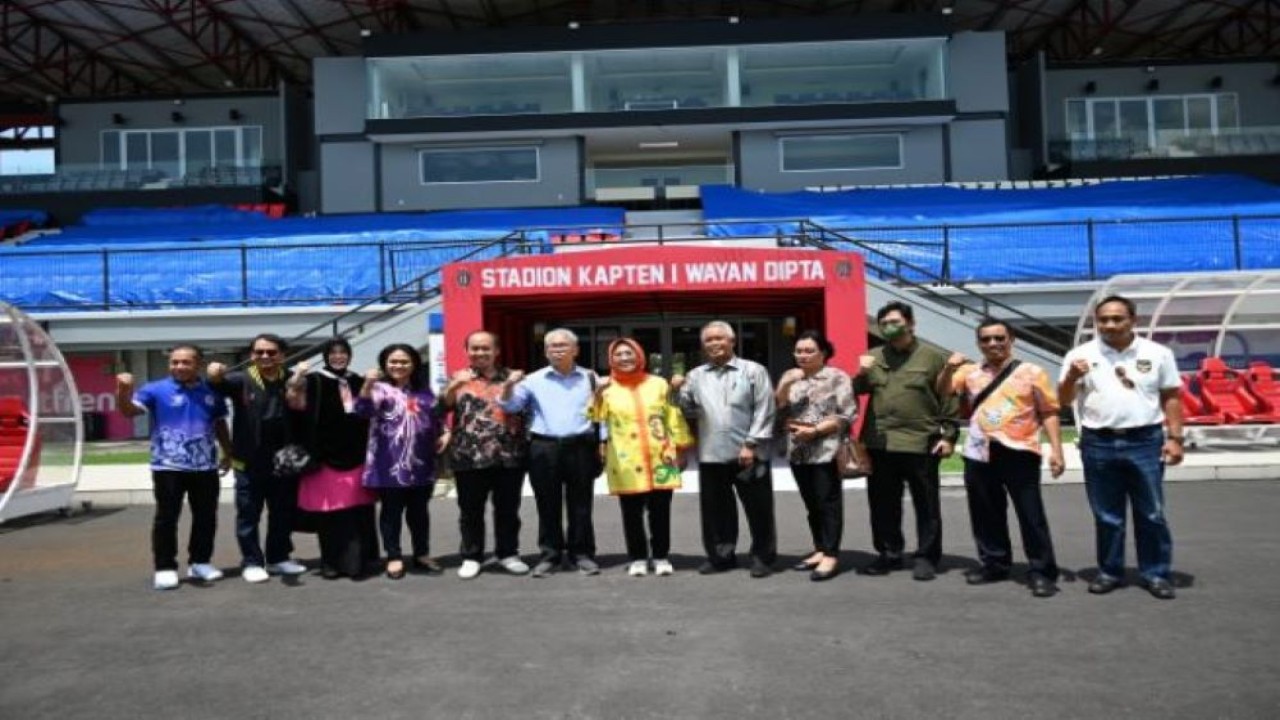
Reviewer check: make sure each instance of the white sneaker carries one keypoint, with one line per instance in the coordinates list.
(469, 570)
(638, 568)
(514, 565)
(287, 567)
(255, 574)
(204, 572)
(165, 580)
(663, 567)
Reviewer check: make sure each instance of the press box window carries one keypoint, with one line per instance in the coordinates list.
(480, 165)
(811, 153)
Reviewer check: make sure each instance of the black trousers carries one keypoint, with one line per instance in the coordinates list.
(280, 498)
(1017, 473)
(475, 487)
(919, 472)
(348, 539)
(201, 490)
(410, 504)
(821, 488)
(718, 482)
(561, 473)
(657, 504)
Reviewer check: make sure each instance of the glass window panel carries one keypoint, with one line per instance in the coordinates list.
(1105, 123)
(1258, 309)
(224, 148)
(1228, 112)
(199, 151)
(1077, 120)
(1170, 114)
(137, 154)
(655, 79)
(842, 72)
(164, 152)
(840, 152)
(1200, 113)
(111, 149)
(251, 139)
(511, 164)
(1183, 311)
(471, 85)
(1135, 124)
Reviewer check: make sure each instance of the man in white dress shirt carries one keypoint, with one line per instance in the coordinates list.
(1126, 394)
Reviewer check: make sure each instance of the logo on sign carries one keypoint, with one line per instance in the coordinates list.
(464, 278)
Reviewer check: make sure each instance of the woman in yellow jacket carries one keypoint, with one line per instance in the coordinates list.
(643, 436)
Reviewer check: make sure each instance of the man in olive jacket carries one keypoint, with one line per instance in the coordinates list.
(908, 429)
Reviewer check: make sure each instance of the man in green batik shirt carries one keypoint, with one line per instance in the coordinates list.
(908, 429)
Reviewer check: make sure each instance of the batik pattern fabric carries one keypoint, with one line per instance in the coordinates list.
(484, 435)
(826, 394)
(1012, 414)
(646, 431)
(403, 431)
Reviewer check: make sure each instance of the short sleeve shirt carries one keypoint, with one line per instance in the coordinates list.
(1012, 414)
(1105, 401)
(183, 422)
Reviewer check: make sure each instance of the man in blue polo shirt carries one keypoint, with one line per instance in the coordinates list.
(188, 427)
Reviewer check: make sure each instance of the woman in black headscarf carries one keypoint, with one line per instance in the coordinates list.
(336, 438)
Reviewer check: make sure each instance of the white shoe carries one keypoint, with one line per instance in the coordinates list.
(165, 580)
(638, 568)
(255, 574)
(287, 567)
(514, 565)
(469, 570)
(204, 572)
(662, 567)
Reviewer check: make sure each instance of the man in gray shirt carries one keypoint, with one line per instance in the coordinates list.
(732, 401)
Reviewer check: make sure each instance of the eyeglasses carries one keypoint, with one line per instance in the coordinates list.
(1124, 380)
(265, 353)
(992, 339)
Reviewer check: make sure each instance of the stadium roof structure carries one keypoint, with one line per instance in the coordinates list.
(66, 49)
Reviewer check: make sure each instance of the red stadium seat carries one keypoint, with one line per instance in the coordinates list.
(1193, 410)
(15, 425)
(1225, 391)
(1262, 382)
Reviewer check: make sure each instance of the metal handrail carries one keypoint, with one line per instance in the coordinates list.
(511, 244)
(1047, 336)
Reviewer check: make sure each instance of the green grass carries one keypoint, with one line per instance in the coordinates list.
(955, 464)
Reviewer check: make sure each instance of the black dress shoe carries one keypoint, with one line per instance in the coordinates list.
(923, 570)
(1043, 587)
(1161, 589)
(396, 574)
(819, 576)
(1103, 584)
(710, 568)
(882, 565)
(760, 569)
(329, 573)
(985, 575)
(804, 566)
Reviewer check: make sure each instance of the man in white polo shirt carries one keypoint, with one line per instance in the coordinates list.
(1125, 389)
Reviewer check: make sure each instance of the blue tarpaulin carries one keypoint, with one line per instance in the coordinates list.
(1094, 231)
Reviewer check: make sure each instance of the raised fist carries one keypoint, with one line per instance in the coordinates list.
(373, 374)
(464, 375)
(956, 360)
(602, 383)
(515, 377)
(124, 380)
(216, 370)
(676, 382)
(301, 368)
(1079, 368)
(866, 362)
(791, 376)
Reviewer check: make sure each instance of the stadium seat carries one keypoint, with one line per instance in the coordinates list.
(1193, 409)
(1225, 391)
(1262, 382)
(15, 425)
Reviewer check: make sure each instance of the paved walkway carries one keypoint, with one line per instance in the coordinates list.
(83, 636)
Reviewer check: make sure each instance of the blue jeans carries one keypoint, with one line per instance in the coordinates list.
(1120, 468)
(280, 496)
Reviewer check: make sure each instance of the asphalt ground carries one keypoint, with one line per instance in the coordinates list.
(82, 635)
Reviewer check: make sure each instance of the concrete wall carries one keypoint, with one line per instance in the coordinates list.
(759, 162)
(1258, 98)
(558, 185)
(80, 137)
(978, 150)
(347, 172)
(977, 77)
(340, 95)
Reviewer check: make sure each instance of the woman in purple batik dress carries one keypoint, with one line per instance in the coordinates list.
(405, 435)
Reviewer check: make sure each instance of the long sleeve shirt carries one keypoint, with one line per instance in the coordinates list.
(733, 403)
(558, 403)
(906, 414)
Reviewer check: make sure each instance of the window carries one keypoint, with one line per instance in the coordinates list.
(479, 165)
(179, 153)
(810, 153)
(1151, 122)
